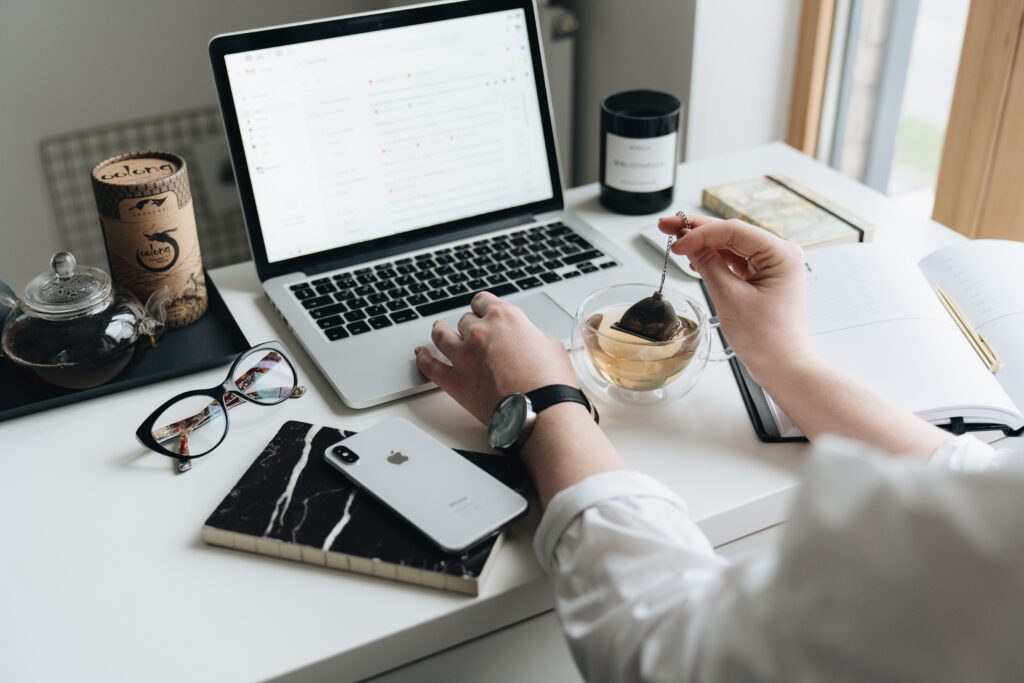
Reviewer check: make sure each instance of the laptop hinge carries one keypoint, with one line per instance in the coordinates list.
(420, 243)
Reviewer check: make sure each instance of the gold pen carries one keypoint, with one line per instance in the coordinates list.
(981, 346)
(988, 356)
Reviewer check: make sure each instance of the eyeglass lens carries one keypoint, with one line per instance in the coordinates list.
(196, 424)
(264, 376)
(192, 426)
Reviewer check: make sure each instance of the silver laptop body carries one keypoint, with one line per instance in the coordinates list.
(360, 306)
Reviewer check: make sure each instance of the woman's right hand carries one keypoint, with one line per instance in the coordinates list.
(756, 281)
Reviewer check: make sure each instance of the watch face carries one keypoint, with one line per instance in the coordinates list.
(507, 421)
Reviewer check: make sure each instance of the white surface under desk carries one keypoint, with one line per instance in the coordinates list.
(104, 576)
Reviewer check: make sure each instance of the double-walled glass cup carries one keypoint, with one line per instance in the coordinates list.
(616, 366)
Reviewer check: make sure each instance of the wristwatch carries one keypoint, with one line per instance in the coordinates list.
(513, 419)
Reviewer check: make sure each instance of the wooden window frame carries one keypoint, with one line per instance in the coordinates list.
(816, 20)
(979, 190)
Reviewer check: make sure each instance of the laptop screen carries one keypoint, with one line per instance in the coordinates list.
(352, 138)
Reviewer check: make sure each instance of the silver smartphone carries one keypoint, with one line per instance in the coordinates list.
(448, 498)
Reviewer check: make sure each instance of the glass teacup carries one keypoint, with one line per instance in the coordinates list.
(617, 366)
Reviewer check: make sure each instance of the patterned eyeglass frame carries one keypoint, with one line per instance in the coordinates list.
(229, 394)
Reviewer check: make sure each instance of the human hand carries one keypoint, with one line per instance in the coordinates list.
(756, 281)
(496, 351)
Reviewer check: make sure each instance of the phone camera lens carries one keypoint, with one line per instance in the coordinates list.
(345, 454)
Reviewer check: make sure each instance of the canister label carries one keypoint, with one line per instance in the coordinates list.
(155, 244)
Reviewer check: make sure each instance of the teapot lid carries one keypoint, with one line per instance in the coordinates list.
(69, 291)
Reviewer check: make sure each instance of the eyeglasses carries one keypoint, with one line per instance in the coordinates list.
(190, 425)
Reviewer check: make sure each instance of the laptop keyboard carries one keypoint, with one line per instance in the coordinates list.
(358, 300)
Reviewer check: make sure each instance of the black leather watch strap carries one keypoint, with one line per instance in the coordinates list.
(545, 397)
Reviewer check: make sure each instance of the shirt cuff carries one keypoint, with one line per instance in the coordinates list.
(964, 453)
(595, 489)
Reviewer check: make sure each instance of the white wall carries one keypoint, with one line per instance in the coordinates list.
(66, 66)
(625, 45)
(730, 61)
(744, 54)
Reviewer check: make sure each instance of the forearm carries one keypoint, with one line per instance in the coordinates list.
(566, 447)
(821, 400)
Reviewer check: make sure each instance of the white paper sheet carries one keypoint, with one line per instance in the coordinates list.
(986, 280)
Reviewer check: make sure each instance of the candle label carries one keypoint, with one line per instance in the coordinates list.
(640, 164)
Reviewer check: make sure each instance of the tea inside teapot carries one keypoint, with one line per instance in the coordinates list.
(73, 329)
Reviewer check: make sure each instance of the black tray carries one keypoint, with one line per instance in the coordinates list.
(213, 340)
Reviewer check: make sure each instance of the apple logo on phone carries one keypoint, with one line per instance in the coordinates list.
(397, 458)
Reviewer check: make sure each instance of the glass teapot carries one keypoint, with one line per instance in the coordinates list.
(73, 328)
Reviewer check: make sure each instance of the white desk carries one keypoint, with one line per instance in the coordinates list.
(103, 575)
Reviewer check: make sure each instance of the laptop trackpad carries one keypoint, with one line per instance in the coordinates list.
(542, 312)
(546, 314)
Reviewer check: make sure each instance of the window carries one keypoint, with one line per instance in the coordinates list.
(892, 68)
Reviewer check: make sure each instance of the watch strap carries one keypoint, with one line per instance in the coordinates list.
(545, 397)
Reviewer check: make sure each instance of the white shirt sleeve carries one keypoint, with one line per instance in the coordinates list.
(882, 566)
(967, 454)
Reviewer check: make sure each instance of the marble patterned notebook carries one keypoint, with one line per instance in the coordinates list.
(291, 504)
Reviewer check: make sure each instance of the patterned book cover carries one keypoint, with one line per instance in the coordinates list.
(788, 209)
(290, 503)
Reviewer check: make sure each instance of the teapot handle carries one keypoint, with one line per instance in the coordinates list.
(154, 322)
(724, 354)
(8, 300)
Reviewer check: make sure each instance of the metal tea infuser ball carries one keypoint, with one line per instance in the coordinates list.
(654, 318)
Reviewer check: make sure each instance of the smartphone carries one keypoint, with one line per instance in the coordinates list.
(448, 498)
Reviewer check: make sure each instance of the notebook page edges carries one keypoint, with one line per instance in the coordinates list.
(986, 280)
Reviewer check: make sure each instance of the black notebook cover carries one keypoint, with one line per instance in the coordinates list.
(290, 503)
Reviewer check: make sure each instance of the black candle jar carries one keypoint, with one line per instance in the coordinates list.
(639, 151)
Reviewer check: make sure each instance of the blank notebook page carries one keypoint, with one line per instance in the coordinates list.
(986, 280)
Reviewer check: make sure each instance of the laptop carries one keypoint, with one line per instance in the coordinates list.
(393, 164)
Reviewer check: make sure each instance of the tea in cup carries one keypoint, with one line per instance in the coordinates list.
(617, 365)
(633, 363)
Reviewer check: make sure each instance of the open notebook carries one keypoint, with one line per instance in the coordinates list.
(878, 317)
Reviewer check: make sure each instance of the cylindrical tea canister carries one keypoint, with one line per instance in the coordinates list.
(149, 228)
(639, 151)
